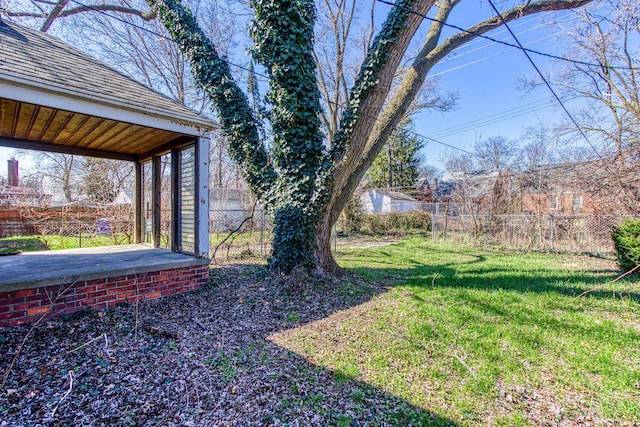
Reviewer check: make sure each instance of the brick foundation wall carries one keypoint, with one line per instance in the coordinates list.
(26, 305)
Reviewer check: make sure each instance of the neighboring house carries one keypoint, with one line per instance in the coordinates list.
(22, 196)
(567, 189)
(424, 190)
(385, 201)
(476, 193)
(592, 188)
(13, 194)
(229, 207)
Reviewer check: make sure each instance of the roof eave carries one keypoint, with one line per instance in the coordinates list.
(50, 94)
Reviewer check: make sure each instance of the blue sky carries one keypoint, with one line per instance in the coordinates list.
(485, 76)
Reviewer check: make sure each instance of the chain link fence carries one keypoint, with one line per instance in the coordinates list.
(239, 233)
(571, 233)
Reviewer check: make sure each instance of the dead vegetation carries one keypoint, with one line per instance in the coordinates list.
(196, 359)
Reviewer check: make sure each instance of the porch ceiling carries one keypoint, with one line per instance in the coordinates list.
(23, 123)
(53, 97)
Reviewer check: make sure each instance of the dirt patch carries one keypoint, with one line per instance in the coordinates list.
(365, 242)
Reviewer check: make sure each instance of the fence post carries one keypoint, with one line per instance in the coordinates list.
(261, 232)
(433, 227)
(484, 230)
(552, 230)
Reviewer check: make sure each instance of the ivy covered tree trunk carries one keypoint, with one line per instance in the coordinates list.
(303, 185)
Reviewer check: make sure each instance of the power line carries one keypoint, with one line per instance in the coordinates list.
(155, 33)
(476, 61)
(517, 46)
(486, 45)
(546, 82)
(498, 117)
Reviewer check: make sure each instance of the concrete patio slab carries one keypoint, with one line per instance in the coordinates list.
(46, 268)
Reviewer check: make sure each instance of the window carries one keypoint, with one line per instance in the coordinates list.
(553, 203)
(576, 202)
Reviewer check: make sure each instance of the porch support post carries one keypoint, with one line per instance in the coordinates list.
(202, 197)
(138, 209)
(176, 214)
(156, 196)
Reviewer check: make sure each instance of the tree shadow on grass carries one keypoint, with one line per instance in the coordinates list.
(223, 370)
(542, 280)
(507, 291)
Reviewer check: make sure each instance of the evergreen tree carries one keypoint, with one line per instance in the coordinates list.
(398, 163)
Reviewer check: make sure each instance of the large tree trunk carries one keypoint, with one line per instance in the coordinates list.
(323, 253)
(366, 144)
(292, 245)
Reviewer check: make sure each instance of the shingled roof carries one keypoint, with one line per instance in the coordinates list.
(65, 76)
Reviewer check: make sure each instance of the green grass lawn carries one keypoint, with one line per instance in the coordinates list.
(56, 242)
(484, 337)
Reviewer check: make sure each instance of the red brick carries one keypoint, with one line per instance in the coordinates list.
(134, 299)
(55, 289)
(85, 289)
(12, 301)
(38, 310)
(27, 305)
(147, 287)
(4, 295)
(11, 315)
(25, 292)
(59, 307)
(100, 306)
(125, 295)
(153, 295)
(34, 298)
(77, 297)
(97, 294)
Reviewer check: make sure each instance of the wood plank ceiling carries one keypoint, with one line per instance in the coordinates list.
(29, 122)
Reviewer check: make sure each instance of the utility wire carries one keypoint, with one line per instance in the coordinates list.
(469, 48)
(546, 82)
(498, 117)
(157, 34)
(517, 46)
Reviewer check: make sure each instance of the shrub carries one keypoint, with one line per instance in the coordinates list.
(396, 223)
(352, 215)
(626, 240)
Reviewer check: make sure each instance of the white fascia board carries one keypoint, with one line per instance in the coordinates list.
(77, 101)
